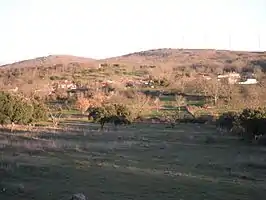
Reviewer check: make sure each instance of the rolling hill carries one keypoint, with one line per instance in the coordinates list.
(189, 57)
(50, 61)
(162, 57)
(43, 70)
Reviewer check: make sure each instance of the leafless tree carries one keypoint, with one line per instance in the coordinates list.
(211, 88)
(55, 115)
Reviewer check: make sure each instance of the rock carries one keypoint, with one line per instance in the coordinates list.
(78, 196)
(3, 190)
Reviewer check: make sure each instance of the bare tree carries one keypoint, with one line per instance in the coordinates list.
(251, 95)
(141, 104)
(83, 104)
(55, 115)
(179, 102)
(157, 103)
(211, 88)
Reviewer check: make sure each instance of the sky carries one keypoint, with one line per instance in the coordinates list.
(107, 28)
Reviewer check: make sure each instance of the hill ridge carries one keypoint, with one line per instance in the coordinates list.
(151, 56)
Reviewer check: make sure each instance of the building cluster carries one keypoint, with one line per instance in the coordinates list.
(232, 78)
(236, 78)
(146, 82)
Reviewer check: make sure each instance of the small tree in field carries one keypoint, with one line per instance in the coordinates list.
(157, 102)
(83, 104)
(140, 105)
(111, 113)
(55, 115)
(211, 88)
(179, 101)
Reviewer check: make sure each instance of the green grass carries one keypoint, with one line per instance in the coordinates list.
(71, 112)
(142, 161)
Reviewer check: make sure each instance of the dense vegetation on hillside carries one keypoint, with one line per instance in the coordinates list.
(40, 70)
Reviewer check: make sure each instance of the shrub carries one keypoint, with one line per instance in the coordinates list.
(16, 109)
(22, 111)
(138, 103)
(262, 140)
(254, 122)
(227, 120)
(39, 111)
(112, 113)
(171, 117)
(249, 123)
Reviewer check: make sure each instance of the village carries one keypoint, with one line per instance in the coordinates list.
(71, 87)
(230, 78)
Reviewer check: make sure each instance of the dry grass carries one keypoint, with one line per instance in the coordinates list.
(142, 161)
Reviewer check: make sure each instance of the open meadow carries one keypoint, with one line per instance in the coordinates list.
(141, 162)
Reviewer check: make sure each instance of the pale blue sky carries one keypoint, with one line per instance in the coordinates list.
(104, 28)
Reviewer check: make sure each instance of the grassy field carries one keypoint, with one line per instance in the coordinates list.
(142, 161)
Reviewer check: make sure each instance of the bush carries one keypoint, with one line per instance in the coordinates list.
(112, 113)
(227, 120)
(39, 111)
(138, 103)
(16, 109)
(249, 123)
(262, 140)
(122, 110)
(254, 122)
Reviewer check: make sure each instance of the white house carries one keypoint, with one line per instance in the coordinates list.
(249, 81)
(231, 77)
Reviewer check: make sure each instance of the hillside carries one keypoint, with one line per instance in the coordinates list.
(162, 57)
(36, 73)
(192, 57)
(50, 61)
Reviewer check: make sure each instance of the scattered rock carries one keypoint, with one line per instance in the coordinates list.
(78, 196)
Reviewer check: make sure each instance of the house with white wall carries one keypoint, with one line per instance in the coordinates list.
(67, 85)
(249, 81)
(232, 78)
